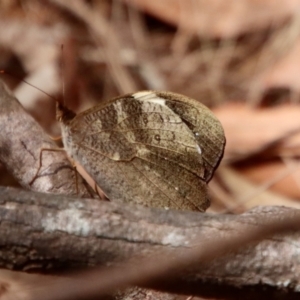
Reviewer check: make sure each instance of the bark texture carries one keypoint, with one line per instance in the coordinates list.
(40, 231)
(21, 142)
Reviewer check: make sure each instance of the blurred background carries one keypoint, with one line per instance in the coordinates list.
(241, 58)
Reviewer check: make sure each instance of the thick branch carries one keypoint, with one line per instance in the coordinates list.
(56, 231)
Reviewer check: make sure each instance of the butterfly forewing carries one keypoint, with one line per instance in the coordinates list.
(141, 128)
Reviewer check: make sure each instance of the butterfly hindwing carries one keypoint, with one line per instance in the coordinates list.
(206, 128)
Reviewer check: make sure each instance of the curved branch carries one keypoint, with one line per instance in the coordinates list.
(21, 141)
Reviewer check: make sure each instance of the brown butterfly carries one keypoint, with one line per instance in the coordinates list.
(159, 149)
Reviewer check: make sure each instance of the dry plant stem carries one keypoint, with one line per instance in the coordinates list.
(104, 34)
(60, 232)
(17, 286)
(21, 141)
(41, 161)
(137, 293)
(41, 164)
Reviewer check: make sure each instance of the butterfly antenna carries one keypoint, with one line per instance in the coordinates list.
(62, 74)
(25, 81)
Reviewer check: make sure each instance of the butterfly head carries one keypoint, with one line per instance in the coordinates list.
(63, 114)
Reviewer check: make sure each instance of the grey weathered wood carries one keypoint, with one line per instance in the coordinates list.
(40, 230)
(21, 141)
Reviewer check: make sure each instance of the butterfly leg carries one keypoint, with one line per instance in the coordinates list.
(40, 161)
(74, 167)
(55, 138)
(100, 193)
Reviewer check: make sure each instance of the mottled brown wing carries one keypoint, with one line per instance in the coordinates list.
(139, 150)
(206, 128)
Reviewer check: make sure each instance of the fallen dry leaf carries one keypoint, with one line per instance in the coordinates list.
(288, 185)
(244, 194)
(249, 130)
